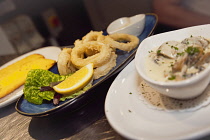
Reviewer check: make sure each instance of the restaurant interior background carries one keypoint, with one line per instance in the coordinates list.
(28, 24)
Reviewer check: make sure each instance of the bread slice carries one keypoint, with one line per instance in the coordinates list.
(14, 75)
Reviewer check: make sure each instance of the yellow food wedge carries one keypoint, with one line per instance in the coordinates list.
(14, 75)
(76, 81)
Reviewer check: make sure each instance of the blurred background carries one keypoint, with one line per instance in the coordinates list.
(27, 24)
(30, 24)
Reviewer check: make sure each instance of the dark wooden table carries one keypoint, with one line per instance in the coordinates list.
(86, 123)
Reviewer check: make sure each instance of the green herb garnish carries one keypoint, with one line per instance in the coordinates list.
(158, 51)
(192, 50)
(173, 77)
(174, 48)
(180, 54)
(150, 51)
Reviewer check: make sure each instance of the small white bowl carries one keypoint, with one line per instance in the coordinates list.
(129, 25)
(185, 89)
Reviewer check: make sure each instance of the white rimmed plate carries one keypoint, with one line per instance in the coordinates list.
(50, 52)
(133, 119)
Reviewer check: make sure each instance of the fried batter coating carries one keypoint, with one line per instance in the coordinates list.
(121, 41)
(78, 54)
(64, 63)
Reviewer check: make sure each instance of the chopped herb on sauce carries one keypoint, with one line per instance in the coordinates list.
(180, 54)
(174, 48)
(192, 50)
(158, 51)
(173, 77)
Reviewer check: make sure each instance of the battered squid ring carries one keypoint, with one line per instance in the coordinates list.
(64, 63)
(88, 52)
(103, 70)
(98, 59)
(115, 41)
(93, 36)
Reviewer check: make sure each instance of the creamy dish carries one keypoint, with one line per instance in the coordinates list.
(175, 61)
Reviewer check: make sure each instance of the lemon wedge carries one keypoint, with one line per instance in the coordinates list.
(76, 81)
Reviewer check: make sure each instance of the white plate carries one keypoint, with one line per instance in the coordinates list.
(50, 52)
(133, 119)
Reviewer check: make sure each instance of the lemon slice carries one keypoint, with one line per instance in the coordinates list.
(76, 81)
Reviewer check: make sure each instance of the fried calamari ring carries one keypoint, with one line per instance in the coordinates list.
(78, 54)
(116, 41)
(64, 63)
(93, 36)
(78, 42)
(103, 70)
(88, 52)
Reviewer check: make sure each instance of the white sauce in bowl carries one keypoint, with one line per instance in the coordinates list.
(175, 61)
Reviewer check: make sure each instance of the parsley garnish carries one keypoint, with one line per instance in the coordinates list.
(172, 77)
(174, 48)
(192, 50)
(158, 51)
(180, 54)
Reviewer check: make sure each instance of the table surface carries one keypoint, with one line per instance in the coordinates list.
(86, 123)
